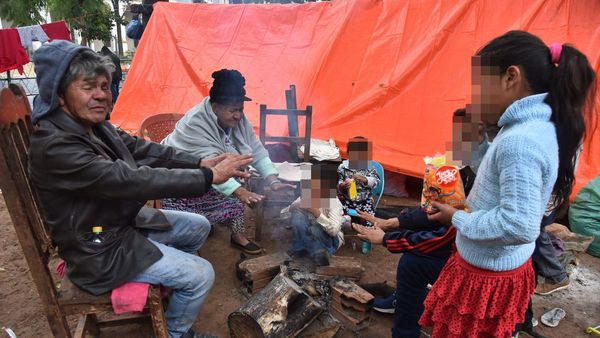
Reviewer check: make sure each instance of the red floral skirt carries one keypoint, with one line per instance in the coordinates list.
(467, 301)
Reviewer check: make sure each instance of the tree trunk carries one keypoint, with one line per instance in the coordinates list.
(282, 309)
(117, 11)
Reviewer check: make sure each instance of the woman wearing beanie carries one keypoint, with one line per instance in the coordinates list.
(215, 126)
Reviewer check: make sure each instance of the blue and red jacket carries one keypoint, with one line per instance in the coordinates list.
(419, 235)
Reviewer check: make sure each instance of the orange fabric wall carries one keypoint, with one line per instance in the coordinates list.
(390, 70)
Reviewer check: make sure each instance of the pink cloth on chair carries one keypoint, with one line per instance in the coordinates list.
(129, 297)
(60, 268)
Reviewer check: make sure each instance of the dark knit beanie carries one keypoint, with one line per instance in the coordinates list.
(228, 86)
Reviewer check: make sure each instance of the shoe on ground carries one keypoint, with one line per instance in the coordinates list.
(385, 305)
(544, 288)
(251, 248)
(553, 317)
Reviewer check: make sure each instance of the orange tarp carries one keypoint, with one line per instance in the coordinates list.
(390, 70)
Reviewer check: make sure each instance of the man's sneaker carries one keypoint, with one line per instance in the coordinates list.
(545, 288)
(385, 305)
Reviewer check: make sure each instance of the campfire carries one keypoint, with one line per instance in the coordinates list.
(286, 295)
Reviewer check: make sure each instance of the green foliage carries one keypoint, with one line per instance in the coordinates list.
(119, 15)
(129, 54)
(92, 17)
(22, 12)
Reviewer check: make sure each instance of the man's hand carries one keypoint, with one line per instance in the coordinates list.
(229, 167)
(372, 234)
(444, 215)
(247, 197)
(361, 179)
(383, 224)
(213, 161)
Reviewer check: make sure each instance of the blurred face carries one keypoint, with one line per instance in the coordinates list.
(493, 92)
(316, 192)
(229, 115)
(87, 100)
(467, 134)
(486, 91)
(359, 159)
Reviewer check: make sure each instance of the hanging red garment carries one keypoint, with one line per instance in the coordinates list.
(57, 31)
(12, 53)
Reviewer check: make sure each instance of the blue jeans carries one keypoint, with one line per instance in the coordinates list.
(413, 274)
(545, 262)
(180, 269)
(310, 237)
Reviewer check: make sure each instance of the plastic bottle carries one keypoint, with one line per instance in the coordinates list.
(97, 234)
(366, 246)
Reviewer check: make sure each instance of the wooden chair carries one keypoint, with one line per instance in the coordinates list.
(292, 112)
(157, 127)
(33, 235)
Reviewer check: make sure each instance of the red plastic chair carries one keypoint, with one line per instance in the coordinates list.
(156, 127)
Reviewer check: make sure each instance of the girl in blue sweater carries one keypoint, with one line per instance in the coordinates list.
(538, 96)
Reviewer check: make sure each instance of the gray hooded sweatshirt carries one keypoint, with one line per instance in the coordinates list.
(51, 62)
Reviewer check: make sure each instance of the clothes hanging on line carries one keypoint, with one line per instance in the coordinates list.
(28, 34)
(12, 53)
(57, 31)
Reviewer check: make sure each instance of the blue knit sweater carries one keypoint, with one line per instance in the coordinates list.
(513, 186)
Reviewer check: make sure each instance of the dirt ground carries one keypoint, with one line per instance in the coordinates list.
(21, 310)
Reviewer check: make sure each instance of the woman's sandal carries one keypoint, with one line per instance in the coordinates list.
(251, 248)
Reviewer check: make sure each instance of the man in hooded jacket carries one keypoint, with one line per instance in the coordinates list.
(93, 180)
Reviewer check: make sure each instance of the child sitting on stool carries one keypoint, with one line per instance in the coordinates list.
(356, 181)
(317, 216)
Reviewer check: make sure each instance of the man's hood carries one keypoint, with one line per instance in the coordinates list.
(51, 62)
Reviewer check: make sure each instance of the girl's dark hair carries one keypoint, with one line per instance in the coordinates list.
(571, 91)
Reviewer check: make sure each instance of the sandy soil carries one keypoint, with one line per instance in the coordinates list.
(21, 310)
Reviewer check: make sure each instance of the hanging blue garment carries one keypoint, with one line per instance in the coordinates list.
(135, 29)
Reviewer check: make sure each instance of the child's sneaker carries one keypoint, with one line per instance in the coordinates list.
(385, 305)
(545, 288)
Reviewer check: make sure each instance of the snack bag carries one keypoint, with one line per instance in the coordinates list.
(441, 183)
